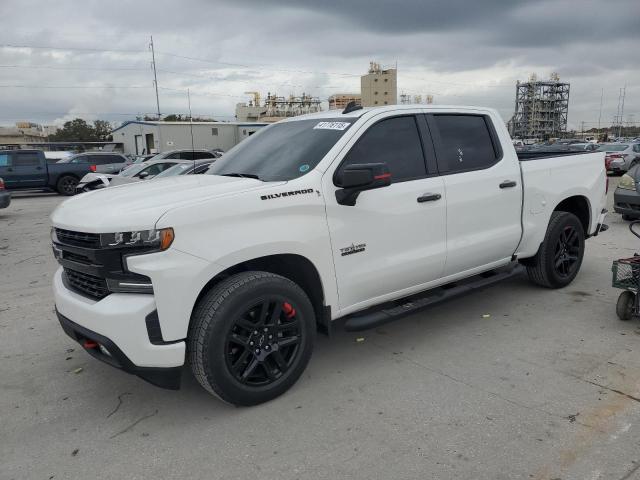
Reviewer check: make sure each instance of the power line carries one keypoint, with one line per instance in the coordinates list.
(56, 67)
(73, 86)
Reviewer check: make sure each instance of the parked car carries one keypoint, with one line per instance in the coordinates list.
(28, 169)
(5, 197)
(105, 162)
(626, 199)
(590, 147)
(143, 171)
(620, 156)
(359, 215)
(191, 154)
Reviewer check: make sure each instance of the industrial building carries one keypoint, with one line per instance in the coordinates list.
(142, 137)
(276, 108)
(339, 101)
(25, 133)
(541, 109)
(379, 86)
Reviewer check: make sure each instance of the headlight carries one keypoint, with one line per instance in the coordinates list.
(153, 239)
(627, 182)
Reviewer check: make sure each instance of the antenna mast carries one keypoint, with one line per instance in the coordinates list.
(193, 150)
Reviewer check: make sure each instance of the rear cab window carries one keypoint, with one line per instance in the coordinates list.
(25, 159)
(463, 142)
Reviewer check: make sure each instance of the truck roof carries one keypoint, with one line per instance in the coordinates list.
(385, 108)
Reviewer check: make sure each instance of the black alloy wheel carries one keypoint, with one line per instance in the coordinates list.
(251, 337)
(263, 342)
(567, 252)
(67, 185)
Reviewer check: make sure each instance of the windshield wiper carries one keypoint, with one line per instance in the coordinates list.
(241, 175)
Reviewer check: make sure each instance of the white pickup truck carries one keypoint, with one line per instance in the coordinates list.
(364, 214)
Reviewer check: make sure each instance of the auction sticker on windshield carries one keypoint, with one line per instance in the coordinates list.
(331, 126)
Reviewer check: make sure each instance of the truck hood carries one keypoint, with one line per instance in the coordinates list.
(139, 205)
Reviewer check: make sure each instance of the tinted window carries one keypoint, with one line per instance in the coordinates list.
(175, 155)
(198, 155)
(25, 159)
(284, 150)
(464, 143)
(396, 142)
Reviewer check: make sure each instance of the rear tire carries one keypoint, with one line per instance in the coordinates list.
(251, 337)
(560, 256)
(67, 185)
(624, 305)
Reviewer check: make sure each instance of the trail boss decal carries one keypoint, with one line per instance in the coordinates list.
(286, 194)
(353, 248)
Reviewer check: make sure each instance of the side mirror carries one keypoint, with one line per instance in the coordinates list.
(359, 177)
(143, 175)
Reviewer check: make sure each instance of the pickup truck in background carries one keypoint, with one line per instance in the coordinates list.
(29, 170)
(367, 214)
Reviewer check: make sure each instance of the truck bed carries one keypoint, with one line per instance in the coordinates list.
(525, 156)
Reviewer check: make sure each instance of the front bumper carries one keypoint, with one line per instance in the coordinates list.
(5, 199)
(626, 202)
(94, 343)
(122, 319)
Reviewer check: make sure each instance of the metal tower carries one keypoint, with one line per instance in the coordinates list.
(541, 109)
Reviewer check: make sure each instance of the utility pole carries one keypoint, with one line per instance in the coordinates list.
(600, 114)
(155, 75)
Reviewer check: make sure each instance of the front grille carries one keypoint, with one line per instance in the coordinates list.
(89, 285)
(79, 239)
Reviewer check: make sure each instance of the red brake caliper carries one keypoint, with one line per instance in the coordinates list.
(288, 310)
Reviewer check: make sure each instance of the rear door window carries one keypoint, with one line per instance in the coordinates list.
(463, 143)
(26, 159)
(4, 159)
(394, 141)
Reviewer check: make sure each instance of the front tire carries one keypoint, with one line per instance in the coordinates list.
(560, 256)
(251, 337)
(67, 185)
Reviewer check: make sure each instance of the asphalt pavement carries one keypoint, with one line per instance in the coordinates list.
(512, 382)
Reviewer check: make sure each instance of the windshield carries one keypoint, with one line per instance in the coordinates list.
(177, 169)
(282, 151)
(613, 148)
(133, 169)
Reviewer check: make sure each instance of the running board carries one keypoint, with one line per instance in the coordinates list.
(389, 312)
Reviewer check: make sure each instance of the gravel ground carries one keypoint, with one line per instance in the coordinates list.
(546, 387)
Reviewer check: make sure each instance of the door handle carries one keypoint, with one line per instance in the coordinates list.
(38, 168)
(429, 197)
(9, 169)
(508, 184)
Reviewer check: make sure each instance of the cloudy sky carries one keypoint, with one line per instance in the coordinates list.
(65, 59)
